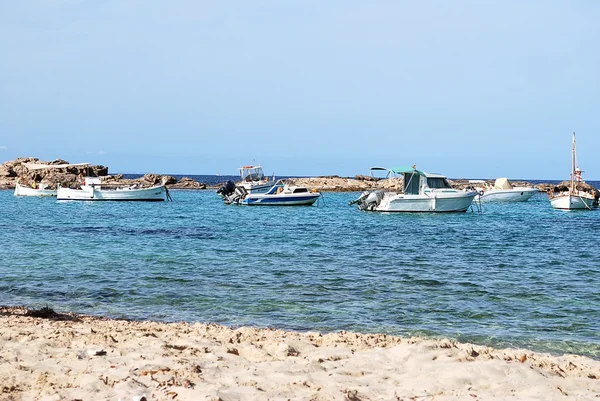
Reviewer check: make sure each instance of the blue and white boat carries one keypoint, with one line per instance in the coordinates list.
(279, 194)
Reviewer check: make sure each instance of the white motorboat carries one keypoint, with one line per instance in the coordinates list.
(575, 198)
(252, 179)
(279, 194)
(422, 192)
(91, 190)
(38, 190)
(502, 191)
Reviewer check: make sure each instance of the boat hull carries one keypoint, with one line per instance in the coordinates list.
(509, 195)
(571, 202)
(21, 190)
(280, 199)
(253, 188)
(437, 203)
(152, 194)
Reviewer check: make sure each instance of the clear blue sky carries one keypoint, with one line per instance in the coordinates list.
(475, 89)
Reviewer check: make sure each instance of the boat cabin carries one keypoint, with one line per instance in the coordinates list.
(92, 181)
(251, 173)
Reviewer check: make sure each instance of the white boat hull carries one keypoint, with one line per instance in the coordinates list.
(572, 202)
(435, 202)
(156, 194)
(259, 199)
(21, 190)
(508, 195)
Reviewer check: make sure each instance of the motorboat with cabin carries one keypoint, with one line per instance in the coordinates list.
(502, 191)
(575, 197)
(252, 179)
(421, 192)
(280, 194)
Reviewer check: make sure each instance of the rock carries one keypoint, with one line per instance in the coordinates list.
(361, 177)
(6, 171)
(189, 183)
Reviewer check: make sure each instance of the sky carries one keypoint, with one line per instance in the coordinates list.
(468, 89)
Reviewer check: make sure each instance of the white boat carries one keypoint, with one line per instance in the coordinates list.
(39, 190)
(422, 192)
(279, 194)
(42, 188)
(252, 179)
(502, 191)
(574, 198)
(91, 190)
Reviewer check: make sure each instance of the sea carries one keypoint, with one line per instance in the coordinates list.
(518, 275)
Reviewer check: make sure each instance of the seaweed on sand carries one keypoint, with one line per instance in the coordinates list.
(46, 312)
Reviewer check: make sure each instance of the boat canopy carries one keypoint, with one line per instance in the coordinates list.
(502, 183)
(251, 173)
(406, 169)
(40, 166)
(387, 170)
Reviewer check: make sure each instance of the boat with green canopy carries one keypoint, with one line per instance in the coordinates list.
(421, 192)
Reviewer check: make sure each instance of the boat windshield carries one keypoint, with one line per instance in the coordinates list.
(438, 182)
(251, 173)
(412, 183)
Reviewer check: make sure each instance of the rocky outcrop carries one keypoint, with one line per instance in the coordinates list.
(566, 185)
(340, 184)
(16, 170)
(189, 183)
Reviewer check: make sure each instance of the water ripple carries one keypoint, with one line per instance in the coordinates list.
(516, 275)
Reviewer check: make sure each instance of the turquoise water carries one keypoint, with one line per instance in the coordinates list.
(515, 275)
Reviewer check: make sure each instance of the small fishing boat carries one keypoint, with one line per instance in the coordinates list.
(279, 194)
(42, 188)
(421, 192)
(502, 191)
(37, 190)
(575, 198)
(91, 190)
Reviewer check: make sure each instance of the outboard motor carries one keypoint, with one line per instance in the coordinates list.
(373, 200)
(236, 195)
(226, 189)
(368, 200)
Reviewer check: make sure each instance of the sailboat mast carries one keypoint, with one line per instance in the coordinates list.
(573, 166)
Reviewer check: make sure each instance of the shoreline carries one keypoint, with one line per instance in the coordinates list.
(75, 356)
(12, 171)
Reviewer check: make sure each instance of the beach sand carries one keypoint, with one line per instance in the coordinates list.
(76, 357)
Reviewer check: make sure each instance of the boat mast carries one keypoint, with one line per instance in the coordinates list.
(573, 166)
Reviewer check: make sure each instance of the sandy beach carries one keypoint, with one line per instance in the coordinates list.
(76, 357)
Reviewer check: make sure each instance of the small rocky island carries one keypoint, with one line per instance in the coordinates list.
(16, 170)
